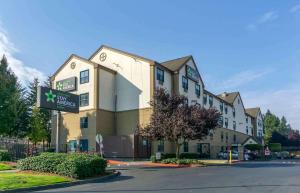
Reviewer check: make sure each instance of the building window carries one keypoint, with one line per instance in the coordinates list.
(226, 109)
(233, 112)
(185, 83)
(221, 121)
(199, 149)
(84, 99)
(234, 125)
(210, 101)
(222, 136)
(84, 145)
(84, 76)
(246, 119)
(238, 101)
(197, 90)
(84, 122)
(161, 146)
(226, 122)
(205, 99)
(73, 145)
(234, 138)
(247, 130)
(160, 76)
(221, 107)
(185, 147)
(226, 137)
(211, 135)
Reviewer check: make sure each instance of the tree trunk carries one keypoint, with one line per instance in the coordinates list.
(177, 149)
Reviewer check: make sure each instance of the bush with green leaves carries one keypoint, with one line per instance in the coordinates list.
(168, 155)
(275, 147)
(72, 165)
(181, 161)
(153, 159)
(82, 166)
(254, 147)
(5, 155)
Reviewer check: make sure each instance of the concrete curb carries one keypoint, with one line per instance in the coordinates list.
(64, 184)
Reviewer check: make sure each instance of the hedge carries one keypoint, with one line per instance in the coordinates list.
(253, 147)
(72, 165)
(275, 147)
(5, 155)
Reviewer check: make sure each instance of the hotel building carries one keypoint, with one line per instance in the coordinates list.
(115, 88)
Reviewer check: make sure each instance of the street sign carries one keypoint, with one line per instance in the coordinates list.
(57, 100)
(267, 151)
(99, 138)
(68, 84)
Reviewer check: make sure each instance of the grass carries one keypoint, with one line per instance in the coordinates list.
(25, 180)
(5, 167)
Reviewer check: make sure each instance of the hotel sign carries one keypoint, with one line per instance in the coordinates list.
(57, 100)
(192, 73)
(68, 84)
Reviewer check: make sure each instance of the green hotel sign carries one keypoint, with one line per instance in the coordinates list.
(57, 100)
(68, 84)
(192, 73)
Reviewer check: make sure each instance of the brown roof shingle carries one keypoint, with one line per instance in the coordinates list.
(175, 64)
(228, 97)
(253, 112)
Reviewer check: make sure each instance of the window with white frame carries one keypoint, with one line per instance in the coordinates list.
(185, 83)
(160, 76)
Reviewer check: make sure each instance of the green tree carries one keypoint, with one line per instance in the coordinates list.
(43, 114)
(13, 109)
(271, 124)
(37, 126)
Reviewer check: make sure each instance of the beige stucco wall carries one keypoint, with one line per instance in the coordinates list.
(70, 128)
(107, 90)
(132, 79)
(127, 121)
(67, 72)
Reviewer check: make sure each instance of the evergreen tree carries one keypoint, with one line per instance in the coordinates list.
(13, 109)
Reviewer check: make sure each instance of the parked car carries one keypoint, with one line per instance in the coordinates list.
(225, 155)
(283, 155)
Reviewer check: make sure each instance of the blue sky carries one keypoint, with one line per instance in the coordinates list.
(247, 46)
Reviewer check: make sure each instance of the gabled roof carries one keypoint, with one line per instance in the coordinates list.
(210, 93)
(253, 112)
(250, 137)
(84, 60)
(122, 52)
(176, 64)
(229, 97)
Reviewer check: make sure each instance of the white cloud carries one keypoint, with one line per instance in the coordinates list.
(282, 102)
(295, 9)
(236, 81)
(265, 18)
(23, 72)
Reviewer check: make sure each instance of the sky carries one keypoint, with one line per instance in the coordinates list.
(248, 46)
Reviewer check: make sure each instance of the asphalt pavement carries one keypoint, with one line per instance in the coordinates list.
(282, 176)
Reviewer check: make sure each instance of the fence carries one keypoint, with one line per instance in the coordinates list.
(19, 148)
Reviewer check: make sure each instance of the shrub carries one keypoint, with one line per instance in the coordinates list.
(82, 166)
(72, 165)
(5, 155)
(153, 159)
(189, 156)
(181, 161)
(275, 147)
(46, 162)
(254, 147)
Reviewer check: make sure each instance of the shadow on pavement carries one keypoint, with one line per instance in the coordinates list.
(263, 165)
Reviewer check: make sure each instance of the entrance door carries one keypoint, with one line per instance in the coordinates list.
(84, 145)
(204, 150)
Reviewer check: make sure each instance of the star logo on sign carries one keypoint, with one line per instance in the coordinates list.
(50, 96)
(59, 86)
